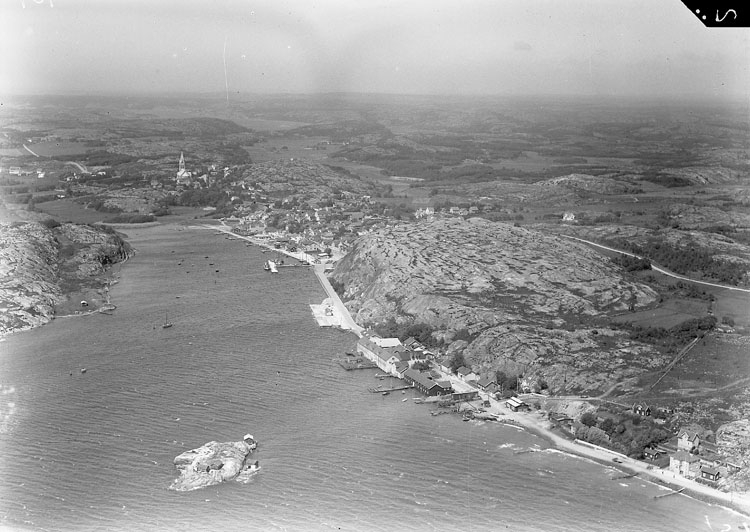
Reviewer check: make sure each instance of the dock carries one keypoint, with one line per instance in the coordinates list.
(668, 494)
(350, 364)
(396, 389)
(621, 477)
(325, 316)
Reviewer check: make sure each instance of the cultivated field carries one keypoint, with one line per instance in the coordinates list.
(57, 149)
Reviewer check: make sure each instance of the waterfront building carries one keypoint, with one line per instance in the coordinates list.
(684, 464)
(386, 353)
(473, 395)
(424, 382)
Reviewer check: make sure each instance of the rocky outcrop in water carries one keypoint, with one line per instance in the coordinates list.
(214, 463)
(506, 297)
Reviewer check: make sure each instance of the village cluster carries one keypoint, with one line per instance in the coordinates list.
(685, 453)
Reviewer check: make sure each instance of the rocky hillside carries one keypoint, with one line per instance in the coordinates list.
(29, 288)
(507, 297)
(40, 266)
(589, 183)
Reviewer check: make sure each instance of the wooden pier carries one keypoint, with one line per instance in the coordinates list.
(396, 389)
(670, 493)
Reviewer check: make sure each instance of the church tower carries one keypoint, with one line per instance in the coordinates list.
(183, 176)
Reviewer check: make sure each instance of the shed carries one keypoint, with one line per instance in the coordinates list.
(516, 404)
(710, 473)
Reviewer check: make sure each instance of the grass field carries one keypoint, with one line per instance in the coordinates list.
(672, 312)
(53, 149)
(715, 365)
(66, 210)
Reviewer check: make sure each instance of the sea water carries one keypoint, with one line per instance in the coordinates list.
(93, 451)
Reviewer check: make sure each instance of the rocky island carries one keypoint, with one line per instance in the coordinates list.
(214, 463)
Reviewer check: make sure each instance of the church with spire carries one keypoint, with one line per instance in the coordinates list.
(183, 176)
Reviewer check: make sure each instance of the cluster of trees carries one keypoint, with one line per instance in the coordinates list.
(458, 360)
(507, 382)
(673, 338)
(629, 435)
(99, 206)
(422, 332)
(632, 264)
(103, 158)
(132, 219)
(688, 261)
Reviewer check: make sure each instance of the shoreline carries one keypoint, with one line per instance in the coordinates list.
(531, 422)
(737, 502)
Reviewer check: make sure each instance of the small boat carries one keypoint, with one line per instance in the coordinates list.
(83, 370)
(386, 393)
(404, 399)
(167, 323)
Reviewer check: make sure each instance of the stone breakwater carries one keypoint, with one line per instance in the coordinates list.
(520, 298)
(37, 263)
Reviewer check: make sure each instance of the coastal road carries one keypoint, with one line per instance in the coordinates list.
(658, 268)
(347, 322)
(345, 318)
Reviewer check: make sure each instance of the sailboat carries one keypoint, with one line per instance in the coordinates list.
(167, 323)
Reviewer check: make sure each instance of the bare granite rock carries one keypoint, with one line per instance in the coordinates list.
(213, 463)
(29, 287)
(524, 298)
(35, 260)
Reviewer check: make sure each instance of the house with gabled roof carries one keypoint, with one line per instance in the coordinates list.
(386, 353)
(424, 382)
(486, 382)
(688, 440)
(710, 473)
(466, 374)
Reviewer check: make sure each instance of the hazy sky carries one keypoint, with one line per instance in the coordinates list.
(622, 47)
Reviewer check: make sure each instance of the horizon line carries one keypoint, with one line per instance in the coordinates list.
(242, 96)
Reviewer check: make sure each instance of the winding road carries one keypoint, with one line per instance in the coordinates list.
(658, 268)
